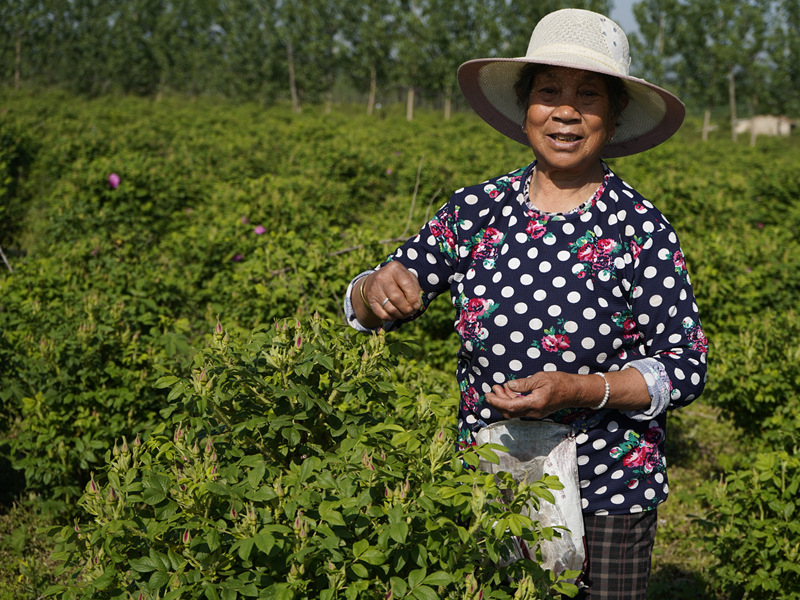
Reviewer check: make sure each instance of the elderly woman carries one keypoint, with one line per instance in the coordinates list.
(571, 294)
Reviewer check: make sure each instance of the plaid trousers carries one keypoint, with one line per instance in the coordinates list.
(618, 549)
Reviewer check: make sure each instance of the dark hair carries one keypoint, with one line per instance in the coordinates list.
(617, 92)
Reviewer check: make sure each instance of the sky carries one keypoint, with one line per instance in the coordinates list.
(622, 13)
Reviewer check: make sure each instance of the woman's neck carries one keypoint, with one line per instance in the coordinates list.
(559, 192)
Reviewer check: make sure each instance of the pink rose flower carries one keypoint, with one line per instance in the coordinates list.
(260, 230)
(493, 235)
(549, 343)
(634, 458)
(535, 229)
(586, 253)
(605, 245)
(470, 397)
(113, 181)
(561, 341)
(476, 306)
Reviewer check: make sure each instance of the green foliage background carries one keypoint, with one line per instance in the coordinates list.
(232, 214)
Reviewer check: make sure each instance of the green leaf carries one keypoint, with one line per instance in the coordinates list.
(399, 586)
(158, 580)
(256, 474)
(373, 556)
(211, 592)
(212, 539)
(423, 592)
(264, 541)
(331, 516)
(399, 531)
(489, 452)
(416, 577)
(244, 547)
(471, 459)
(360, 571)
(143, 565)
(360, 547)
(438, 578)
(106, 579)
(166, 381)
(153, 496)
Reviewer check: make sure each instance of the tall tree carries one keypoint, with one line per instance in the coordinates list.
(16, 27)
(83, 38)
(656, 41)
(132, 62)
(411, 52)
(783, 48)
(370, 29)
(250, 46)
(458, 30)
(309, 30)
(718, 41)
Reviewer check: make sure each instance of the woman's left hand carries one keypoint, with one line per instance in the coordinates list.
(536, 396)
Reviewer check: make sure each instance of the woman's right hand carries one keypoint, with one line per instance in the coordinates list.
(392, 293)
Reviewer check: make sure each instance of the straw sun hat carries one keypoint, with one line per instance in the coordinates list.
(579, 39)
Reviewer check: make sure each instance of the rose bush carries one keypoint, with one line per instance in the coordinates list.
(293, 465)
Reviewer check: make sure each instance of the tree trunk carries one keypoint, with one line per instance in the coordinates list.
(18, 61)
(732, 98)
(753, 113)
(328, 101)
(292, 83)
(410, 104)
(448, 103)
(706, 123)
(373, 89)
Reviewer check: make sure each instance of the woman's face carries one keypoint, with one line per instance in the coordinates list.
(568, 120)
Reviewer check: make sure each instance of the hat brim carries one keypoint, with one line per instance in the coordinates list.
(651, 117)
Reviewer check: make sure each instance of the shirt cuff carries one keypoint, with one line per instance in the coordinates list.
(658, 386)
(349, 313)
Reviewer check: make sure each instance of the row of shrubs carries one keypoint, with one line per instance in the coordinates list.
(238, 217)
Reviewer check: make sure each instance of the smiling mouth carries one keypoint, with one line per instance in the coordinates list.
(565, 138)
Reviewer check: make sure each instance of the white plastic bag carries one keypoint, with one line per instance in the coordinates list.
(536, 448)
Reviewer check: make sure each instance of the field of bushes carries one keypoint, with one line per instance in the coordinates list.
(184, 415)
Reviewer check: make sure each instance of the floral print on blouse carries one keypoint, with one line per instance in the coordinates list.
(601, 288)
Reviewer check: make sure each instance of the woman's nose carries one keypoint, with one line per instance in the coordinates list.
(566, 111)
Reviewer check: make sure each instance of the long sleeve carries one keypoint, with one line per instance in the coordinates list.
(665, 312)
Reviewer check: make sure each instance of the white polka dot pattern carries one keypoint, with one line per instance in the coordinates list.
(585, 291)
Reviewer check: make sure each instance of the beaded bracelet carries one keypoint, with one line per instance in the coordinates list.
(607, 394)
